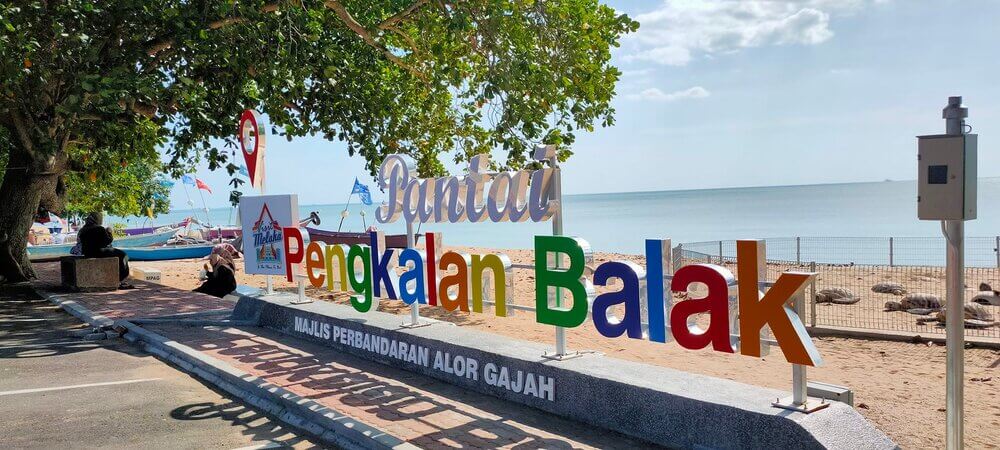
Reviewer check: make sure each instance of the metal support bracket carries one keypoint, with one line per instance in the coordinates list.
(810, 405)
(561, 357)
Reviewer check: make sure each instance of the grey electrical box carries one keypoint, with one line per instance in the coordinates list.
(946, 182)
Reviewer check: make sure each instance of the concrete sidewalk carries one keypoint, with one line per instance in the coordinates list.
(146, 300)
(394, 405)
(419, 410)
(58, 390)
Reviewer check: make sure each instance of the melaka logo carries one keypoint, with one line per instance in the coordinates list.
(266, 234)
(457, 281)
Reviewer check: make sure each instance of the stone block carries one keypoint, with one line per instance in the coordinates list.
(145, 274)
(659, 405)
(89, 274)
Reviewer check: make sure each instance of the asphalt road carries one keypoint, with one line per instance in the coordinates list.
(60, 391)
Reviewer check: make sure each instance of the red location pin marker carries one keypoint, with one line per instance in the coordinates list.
(252, 140)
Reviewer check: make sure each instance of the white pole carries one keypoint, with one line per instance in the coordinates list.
(267, 278)
(208, 220)
(954, 231)
(557, 230)
(411, 242)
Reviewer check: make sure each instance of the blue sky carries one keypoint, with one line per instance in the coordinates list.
(747, 93)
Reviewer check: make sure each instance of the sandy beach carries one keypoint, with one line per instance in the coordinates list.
(900, 387)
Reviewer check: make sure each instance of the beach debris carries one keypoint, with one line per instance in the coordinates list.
(915, 304)
(886, 287)
(976, 316)
(987, 297)
(837, 296)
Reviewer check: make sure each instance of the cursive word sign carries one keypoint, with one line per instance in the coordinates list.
(509, 196)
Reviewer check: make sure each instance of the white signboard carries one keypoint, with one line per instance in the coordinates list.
(262, 217)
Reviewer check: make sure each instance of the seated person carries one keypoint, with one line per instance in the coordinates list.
(220, 271)
(95, 242)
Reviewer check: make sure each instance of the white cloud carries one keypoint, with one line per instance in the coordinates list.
(656, 95)
(680, 30)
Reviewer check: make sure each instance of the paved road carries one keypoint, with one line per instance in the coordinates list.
(59, 391)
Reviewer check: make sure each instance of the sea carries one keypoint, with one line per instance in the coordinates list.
(841, 222)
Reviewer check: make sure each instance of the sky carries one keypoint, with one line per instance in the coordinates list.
(728, 93)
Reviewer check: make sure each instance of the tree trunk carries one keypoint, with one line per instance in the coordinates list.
(20, 195)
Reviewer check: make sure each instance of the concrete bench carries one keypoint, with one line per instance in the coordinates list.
(89, 274)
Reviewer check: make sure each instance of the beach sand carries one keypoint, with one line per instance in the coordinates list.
(900, 387)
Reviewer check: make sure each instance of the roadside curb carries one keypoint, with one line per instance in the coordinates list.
(76, 310)
(327, 424)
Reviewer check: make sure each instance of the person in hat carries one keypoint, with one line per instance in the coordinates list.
(220, 271)
(95, 242)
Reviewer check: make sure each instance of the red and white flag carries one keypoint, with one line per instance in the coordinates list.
(201, 185)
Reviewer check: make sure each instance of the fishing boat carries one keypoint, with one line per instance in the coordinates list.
(53, 252)
(227, 232)
(350, 238)
(150, 230)
(168, 252)
(347, 237)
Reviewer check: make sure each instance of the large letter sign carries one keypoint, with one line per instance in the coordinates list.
(472, 283)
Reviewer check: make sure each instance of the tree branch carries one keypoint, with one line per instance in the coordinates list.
(157, 45)
(366, 36)
(400, 16)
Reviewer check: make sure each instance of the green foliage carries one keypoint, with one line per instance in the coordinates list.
(121, 179)
(420, 77)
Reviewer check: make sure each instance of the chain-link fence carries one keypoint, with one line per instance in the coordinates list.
(871, 272)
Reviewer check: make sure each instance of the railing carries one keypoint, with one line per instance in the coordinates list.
(857, 264)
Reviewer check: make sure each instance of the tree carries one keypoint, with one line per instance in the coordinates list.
(422, 77)
(123, 181)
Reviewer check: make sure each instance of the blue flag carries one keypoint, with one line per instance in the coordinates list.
(188, 179)
(243, 171)
(362, 191)
(166, 183)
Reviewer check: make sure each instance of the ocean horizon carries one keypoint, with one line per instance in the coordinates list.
(620, 222)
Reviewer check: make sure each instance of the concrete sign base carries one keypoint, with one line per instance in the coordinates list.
(660, 405)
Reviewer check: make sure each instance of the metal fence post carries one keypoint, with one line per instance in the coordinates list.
(891, 253)
(720, 252)
(798, 251)
(997, 249)
(812, 299)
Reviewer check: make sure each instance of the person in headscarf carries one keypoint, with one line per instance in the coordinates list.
(220, 271)
(95, 242)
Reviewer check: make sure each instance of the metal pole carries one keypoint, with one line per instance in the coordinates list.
(890, 252)
(954, 230)
(267, 278)
(812, 293)
(798, 251)
(557, 230)
(343, 214)
(415, 306)
(955, 322)
(997, 249)
(720, 253)
(799, 381)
